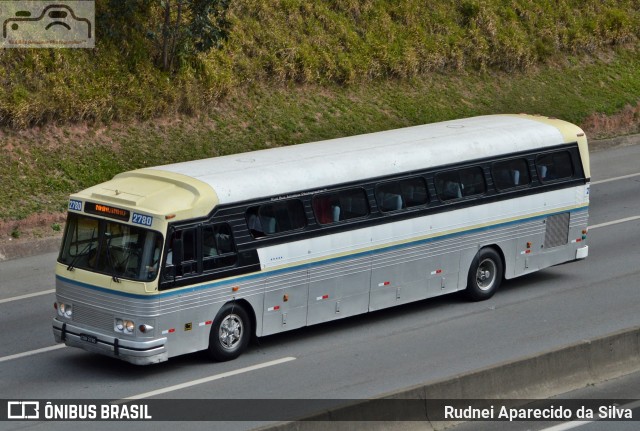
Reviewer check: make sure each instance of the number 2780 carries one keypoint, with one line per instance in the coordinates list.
(75, 205)
(142, 219)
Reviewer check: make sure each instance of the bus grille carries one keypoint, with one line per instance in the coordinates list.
(92, 317)
(557, 233)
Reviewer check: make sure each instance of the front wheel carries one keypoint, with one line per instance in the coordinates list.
(485, 275)
(230, 333)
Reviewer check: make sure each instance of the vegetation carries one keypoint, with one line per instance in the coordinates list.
(149, 62)
(255, 73)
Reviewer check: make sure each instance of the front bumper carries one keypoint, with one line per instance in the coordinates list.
(136, 352)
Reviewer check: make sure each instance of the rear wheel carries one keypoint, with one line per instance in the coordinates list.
(230, 333)
(485, 275)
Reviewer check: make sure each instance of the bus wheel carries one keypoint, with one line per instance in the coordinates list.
(485, 275)
(230, 333)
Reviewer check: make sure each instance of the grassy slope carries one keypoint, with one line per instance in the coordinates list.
(296, 71)
(43, 165)
(298, 41)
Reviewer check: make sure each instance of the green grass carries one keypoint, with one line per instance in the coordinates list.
(42, 166)
(293, 42)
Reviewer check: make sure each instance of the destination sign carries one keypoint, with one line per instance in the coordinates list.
(107, 211)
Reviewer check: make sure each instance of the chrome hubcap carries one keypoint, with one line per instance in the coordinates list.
(230, 332)
(486, 274)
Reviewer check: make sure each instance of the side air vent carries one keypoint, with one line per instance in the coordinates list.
(557, 233)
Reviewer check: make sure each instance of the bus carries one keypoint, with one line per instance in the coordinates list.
(207, 254)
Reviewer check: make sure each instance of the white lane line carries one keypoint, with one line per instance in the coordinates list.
(206, 379)
(623, 177)
(28, 295)
(575, 424)
(609, 223)
(32, 352)
(567, 426)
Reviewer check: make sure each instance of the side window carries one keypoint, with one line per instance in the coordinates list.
(181, 256)
(276, 217)
(554, 166)
(509, 174)
(216, 245)
(218, 248)
(472, 181)
(461, 183)
(448, 185)
(189, 245)
(340, 206)
(401, 194)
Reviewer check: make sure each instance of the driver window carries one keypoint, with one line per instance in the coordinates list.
(181, 254)
(199, 249)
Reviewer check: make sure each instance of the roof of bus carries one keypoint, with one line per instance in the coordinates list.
(318, 165)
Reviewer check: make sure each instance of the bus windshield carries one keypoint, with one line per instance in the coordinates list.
(112, 248)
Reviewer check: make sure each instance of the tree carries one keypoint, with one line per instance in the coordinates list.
(189, 27)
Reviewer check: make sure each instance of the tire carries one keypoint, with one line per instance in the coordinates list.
(485, 275)
(230, 333)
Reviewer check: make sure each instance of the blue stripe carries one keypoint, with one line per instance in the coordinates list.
(309, 265)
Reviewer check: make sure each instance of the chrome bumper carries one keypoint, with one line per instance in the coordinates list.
(136, 352)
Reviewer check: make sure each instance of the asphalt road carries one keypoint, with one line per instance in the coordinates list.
(358, 357)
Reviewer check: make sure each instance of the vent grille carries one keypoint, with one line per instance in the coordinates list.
(92, 317)
(557, 233)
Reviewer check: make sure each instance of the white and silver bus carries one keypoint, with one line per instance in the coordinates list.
(204, 255)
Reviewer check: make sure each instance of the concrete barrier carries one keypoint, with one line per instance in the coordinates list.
(537, 376)
(18, 249)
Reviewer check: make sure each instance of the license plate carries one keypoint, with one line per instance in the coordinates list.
(88, 338)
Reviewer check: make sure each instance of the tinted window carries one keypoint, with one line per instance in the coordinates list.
(397, 195)
(448, 185)
(181, 257)
(472, 181)
(276, 217)
(510, 173)
(460, 183)
(341, 205)
(218, 249)
(212, 245)
(189, 244)
(554, 166)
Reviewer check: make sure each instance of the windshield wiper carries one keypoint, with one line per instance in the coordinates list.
(85, 250)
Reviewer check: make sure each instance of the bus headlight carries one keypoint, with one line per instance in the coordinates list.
(129, 326)
(64, 310)
(125, 326)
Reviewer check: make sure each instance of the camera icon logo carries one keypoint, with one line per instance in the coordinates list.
(43, 24)
(23, 410)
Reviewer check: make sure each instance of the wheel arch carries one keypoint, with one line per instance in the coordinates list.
(234, 330)
(248, 308)
(500, 252)
(475, 288)
(468, 257)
